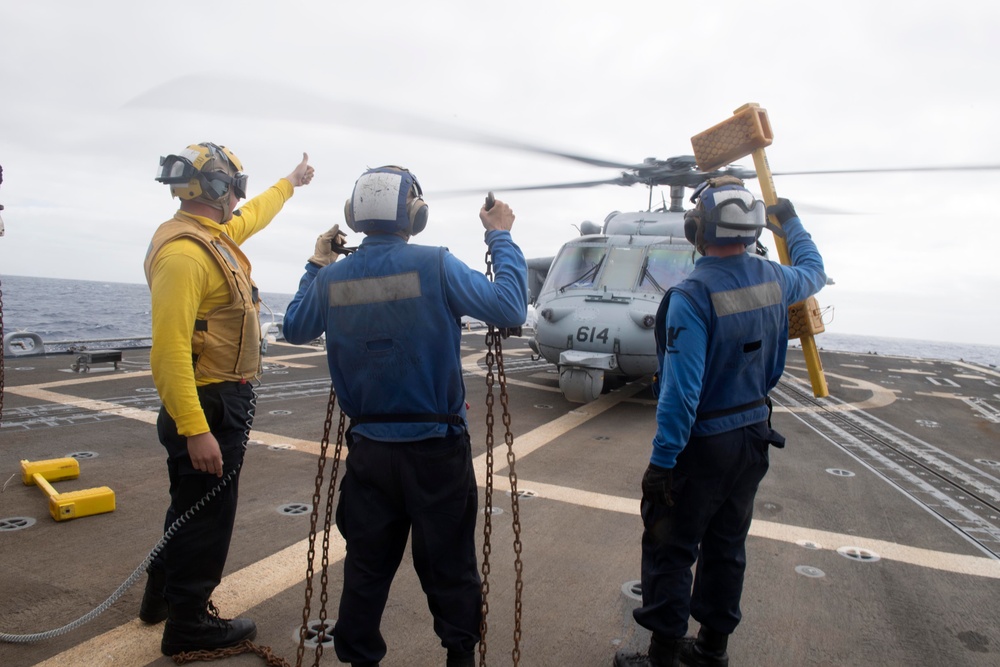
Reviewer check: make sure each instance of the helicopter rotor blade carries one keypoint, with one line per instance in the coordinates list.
(287, 102)
(522, 188)
(889, 170)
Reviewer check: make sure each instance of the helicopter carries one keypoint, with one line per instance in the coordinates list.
(597, 297)
(596, 300)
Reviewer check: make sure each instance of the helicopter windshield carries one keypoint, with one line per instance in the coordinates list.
(665, 267)
(624, 264)
(653, 269)
(576, 267)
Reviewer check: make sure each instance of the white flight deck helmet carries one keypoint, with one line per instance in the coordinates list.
(205, 173)
(725, 213)
(386, 200)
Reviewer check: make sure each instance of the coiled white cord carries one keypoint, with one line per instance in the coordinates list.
(138, 572)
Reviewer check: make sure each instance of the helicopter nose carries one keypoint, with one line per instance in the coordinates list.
(644, 320)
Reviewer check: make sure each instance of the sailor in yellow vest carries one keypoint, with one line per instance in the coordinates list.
(205, 355)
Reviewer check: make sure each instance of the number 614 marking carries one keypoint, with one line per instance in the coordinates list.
(588, 334)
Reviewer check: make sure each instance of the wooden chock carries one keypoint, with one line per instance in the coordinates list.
(748, 132)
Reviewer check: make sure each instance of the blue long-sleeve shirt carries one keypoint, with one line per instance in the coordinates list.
(420, 375)
(683, 372)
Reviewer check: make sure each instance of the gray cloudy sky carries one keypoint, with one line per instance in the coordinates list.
(852, 84)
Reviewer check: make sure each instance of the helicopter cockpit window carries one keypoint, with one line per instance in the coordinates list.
(664, 268)
(623, 266)
(576, 267)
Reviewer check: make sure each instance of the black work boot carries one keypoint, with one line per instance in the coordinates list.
(708, 650)
(662, 653)
(460, 658)
(203, 630)
(153, 608)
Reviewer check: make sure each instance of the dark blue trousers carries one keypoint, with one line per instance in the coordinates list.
(424, 490)
(714, 484)
(195, 556)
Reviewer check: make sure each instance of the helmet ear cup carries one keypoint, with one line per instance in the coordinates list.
(691, 220)
(348, 216)
(417, 211)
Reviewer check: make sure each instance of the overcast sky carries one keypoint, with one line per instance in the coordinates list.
(846, 85)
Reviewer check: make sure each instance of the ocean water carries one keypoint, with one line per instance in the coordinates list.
(77, 310)
(83, 310)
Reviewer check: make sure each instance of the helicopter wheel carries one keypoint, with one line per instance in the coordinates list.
(581, 385)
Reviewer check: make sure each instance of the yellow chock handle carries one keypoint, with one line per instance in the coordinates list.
(748, 132)
(53, 470)
(72, 504)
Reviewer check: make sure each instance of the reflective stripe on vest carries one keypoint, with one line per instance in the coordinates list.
(375, 290)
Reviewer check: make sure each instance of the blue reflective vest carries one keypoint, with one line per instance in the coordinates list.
(394, 344)
(747, 323)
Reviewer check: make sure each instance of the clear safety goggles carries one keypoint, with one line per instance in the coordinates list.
(176, 170)
(736, 213)
(238, 182)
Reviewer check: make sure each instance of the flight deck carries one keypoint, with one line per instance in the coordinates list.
(875, 541)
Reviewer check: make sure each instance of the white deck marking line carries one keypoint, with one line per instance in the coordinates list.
(549, 431)
(985, 410)
(955, 515)
(978, 405)
(283, 360)
(938, 560)
(139, 644)
(107, 407)
(978, 369)
(78, 380)
(135, 643)
(881, 396)
(470, 364)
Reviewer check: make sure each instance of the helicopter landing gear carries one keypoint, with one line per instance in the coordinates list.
(581, 385)
(581, 374)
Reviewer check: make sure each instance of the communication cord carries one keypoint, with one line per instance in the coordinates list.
(138, 572)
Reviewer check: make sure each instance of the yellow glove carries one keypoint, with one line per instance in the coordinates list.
(326, 243)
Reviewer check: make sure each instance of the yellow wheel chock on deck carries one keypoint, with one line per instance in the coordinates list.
(70, 505)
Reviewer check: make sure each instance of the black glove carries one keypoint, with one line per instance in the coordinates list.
(783, 211)
(656, 484)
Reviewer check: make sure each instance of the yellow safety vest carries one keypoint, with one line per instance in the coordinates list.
(226, 344)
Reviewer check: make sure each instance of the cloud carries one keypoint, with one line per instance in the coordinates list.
(851, 85)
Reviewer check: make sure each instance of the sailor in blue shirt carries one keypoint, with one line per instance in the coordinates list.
(391, 312)
(722, 335)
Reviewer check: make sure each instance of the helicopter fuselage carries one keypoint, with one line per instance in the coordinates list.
(597, 305)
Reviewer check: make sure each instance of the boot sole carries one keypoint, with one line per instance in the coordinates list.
(174, 649)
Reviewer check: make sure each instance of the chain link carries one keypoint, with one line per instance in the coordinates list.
(488, 503)
(247, 646)
(494, 355)
(327, 521)
(515, 506)
(265, 652)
